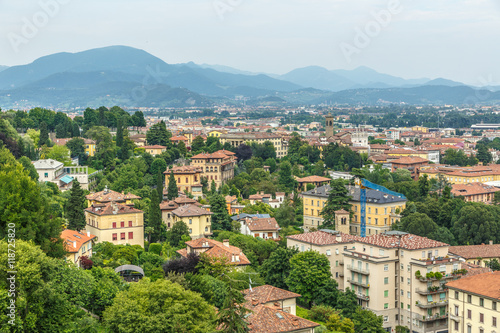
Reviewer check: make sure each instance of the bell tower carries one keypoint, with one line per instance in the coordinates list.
(342, 221)
(329, 125)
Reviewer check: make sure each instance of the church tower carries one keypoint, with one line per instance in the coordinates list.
(342, 221)
(329, 125)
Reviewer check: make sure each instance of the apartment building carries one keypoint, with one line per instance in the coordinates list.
(188, 179)
(237, 139)
(463, 175)
(197, 219)
(107, 195)
(477, 254)
(397, 275)
(53, 171)
(218, 166)
(382, 210)
(410, 163)
(473, 304)
(475, 192)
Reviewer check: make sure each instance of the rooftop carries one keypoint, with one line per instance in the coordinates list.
(267, 293)
(190, 210)
(372, 196)
(476, 251)
(72, 238)
(324, 237)
(47, 164)
(217, 249)
(401, 240)
(262, 224)
(109, 195)
(486, 284)
(272, 319)
(112, 208)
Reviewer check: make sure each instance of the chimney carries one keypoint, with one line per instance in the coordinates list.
(491, 242)
(74, 244)
(88, 233)
(225, 242)
(338, 237)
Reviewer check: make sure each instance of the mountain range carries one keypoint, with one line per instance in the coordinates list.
(134, 78)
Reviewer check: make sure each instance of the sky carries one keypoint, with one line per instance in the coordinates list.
(457, 40)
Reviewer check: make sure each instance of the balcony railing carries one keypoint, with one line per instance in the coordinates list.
(357, 283)
(432, 304)
(430, 292)
(358, 270)
(434, 317)
(363, 297)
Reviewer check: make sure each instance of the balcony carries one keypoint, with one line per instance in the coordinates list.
(455, 318)
(426, 292)
(358, 270)
(363, 297)
(433, 317)
(357, 283)
(432, 304)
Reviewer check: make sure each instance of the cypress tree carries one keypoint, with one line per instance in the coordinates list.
(119, 136)
(154, 218)
(44, 135)
(173, 191)
(75, 207)
(159, 185)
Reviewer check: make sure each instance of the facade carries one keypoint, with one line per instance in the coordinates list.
(410, 163)
(382, 210)
(89, 147)
(232, 205)
(77, 245)
(463, 175)
(475, 192)
(213, 248)
(266, 228)
(167, 207)
(237, 139)
(197, 219)
(218, 166)
(115, 223)
(155, 150)
(188, 179)
(473, 304)
(477, 254)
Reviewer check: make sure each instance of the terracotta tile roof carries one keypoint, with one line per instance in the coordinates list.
(155, 147)
(475, 269)
(112, 208)
(108, 195)
(324, 238)
(272, 319)
(184, 169)
(476, 251)
(218, 249)
(486, 284)
(262, 224)
(402, 152)
(266, 293)
(223, 154)
(190, 210)
(313, 179)
(409, 160)
(168, 205)
(472, 189)
(178, 138)
(341, 211)
(401, 240)
(72, 237)
(184, 201)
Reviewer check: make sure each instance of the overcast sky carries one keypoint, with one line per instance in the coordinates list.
(458, 40)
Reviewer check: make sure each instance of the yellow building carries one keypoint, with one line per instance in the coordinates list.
(189, 137)
(89, 147)
(382, 210)
(155, 150)
(463, 175)
(216, 133)
(116, 223)
(77, 245)
(237, 139)
(188, 179)
(197, 219)
(107, 196)
(420, 129)
(217, 167)
(473, 304)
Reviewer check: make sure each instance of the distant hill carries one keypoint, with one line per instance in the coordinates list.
(3, 68)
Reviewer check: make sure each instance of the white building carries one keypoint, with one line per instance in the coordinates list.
(266, 228)
(53, 171)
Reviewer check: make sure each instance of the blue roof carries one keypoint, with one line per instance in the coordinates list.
(67, 179)
(245, 215)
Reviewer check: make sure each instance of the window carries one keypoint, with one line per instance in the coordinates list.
(114, 225)
(456, 325)
(481, 317)
(469, 299)
(494, 305)
(386, 280)
(386, 293)
(122, 224)
(408, 294)
(381, 252)
(469, 314)
(423, 254)
(336, 263)
(408, 280)
(386, 268)
(190, 221)
(456, 294)
(494, 321)
(386, 305)
(328, 252)
(469, 329)
(402, 305)
(115, 236)
(130, 235)
(122, 235)
(129, 223)
(456, 310)
(190, 231)
(386, 318)
(408, 268)
(46, 175)
(481, 302)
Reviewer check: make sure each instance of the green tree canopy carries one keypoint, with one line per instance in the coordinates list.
(338, 199)
(159, 135)
(75, 208)
(276, 268)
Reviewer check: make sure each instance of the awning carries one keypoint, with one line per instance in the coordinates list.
(67, 179)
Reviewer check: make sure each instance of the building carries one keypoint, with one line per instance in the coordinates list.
(266, 228)
(232, 205)
(477, 254)
(315, 181)
(463, 175)
(217, 167)
(107, 196)
(410, 163)
(273, 310)
(197, 219)
(382, 210)
(473, 304)
(260, 197)
(329, 125)
(188, 178)
(89, 147)
(340, 175)
(77, 244)
(53, 171)
(217, 249)
(167, 207)
(475, 192)
(115, 223)
(177, 139)
(155, 150)
(236, 139)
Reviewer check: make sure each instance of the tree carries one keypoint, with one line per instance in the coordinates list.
(143, 308)
(105, 147)
(285, 214)
(347, 303)
(336, 323)
(198, 144)
(182, 148)
(173, 191)
(243, 152)
(475, 224)
(276, 268)
(158, 166)
(419, 224)
(231, 318)
(44, 135)
(75, 208)
(483, 155)
(159, 135)
(493, 264)
(220, 218)
(119, 136)
(338, 199)
(77, 149)
(159, 186)
(60, 153)
(424, 186)
(138, 119)
(367, 321)
(285, 176)
(175, 234)
(28, 166)
(154, 218)
(309, 270)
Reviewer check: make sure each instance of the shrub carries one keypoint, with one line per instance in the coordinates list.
(321, 312)
(429, 275)
(438, 275)
(155, 248)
